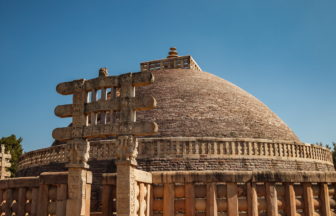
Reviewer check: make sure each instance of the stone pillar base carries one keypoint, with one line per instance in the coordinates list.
(77, 179)
(127, 203)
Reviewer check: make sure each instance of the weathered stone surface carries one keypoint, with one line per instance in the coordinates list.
(97, 167)
(141, 176)
(132, 128)
(136, 103)
(127, 148)
(198, 104)
(4, 157)
(137, 79)
(127, 189)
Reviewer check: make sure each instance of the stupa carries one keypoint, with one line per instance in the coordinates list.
(205, 123)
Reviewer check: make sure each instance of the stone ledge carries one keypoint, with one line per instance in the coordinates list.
(28, 182)
(242, 176)
(231, 176)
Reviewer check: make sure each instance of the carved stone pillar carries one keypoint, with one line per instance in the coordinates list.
(78, 155)
(127, 203)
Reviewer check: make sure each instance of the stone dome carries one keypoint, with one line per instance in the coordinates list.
(192, 103)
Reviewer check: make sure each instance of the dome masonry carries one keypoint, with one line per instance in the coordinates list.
(194, 103)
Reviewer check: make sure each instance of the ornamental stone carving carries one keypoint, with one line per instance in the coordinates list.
(103, 72)
(127, 148)
(78, 151)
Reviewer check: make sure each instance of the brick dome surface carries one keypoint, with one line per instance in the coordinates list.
(198, 104)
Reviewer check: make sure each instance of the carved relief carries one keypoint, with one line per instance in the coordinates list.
(103, 72)
(77, 183)
(78, 151)
(78, 108)
(77, 132)
(126, 190)
(126, 79)
(77, 119)
(73, 191)
(126, 148)
(78, 84)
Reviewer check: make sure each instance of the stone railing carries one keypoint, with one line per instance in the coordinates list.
(184, 62)
(229, 193)
(143, 191)
(46, 194)
(188, 147)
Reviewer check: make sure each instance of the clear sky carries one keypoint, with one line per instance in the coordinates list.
(282, 52)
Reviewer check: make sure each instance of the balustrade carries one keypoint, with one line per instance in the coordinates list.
(43, 195)
(187, 147)
(182, 62)
(227, 193)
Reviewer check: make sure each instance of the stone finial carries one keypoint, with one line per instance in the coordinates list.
(103, 72)
(172, 53)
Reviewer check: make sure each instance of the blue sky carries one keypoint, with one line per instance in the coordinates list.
(282, 52)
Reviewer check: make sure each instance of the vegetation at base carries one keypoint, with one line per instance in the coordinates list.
(14, 146)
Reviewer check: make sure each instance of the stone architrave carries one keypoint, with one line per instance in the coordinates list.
(126, 130)
(4, 162)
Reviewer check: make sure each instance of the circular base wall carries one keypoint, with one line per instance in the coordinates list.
(98, 167)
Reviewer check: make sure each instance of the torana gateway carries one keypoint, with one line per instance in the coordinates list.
(173, 140)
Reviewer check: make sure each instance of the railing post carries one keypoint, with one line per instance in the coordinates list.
(42, 200)
(9, 200)
(62, 191)
(87, 198)
(150, 199)
(2, 204)
(232, 199)
(271, 199)
(308, 199)
(22, 202)
(211, 199)
(190, 199)
(252, 199)
(142, 201)
(168, 199)
(34, 204)
(324, 195)
(290, 199)
(107, 199)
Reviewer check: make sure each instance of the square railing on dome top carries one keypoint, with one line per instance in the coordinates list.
(181, 62)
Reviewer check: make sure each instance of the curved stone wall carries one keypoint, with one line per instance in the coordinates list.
(191, 148)
(185, 153)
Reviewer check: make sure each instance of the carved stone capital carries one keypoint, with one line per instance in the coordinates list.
(78, 84)
(127, 148)
(78, 151)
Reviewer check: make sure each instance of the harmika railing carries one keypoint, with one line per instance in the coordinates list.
(186, 147)
(182, 62)
(229, 193)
